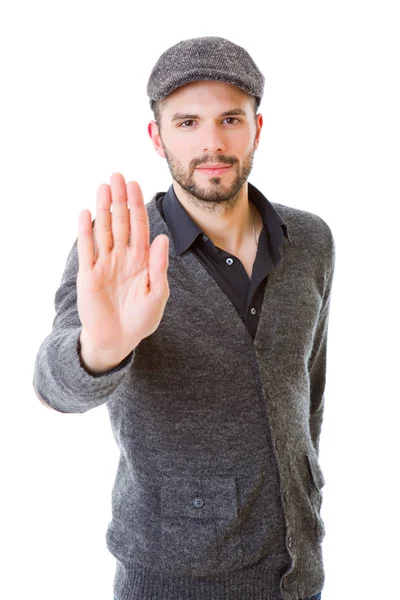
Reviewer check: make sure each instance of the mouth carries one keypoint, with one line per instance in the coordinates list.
(214, 171)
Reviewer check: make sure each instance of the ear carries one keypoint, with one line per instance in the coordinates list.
(258, 132)
(155, 136)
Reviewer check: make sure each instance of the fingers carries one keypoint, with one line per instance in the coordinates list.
(112, 227)
(120, 212)
(139, 223)
(117, 223)
(85, 245)
(102, 225)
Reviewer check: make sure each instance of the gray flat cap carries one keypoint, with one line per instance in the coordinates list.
(212, 58)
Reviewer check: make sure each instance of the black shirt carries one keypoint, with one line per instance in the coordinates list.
(227, 270)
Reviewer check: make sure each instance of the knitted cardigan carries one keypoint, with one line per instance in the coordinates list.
(218, 433)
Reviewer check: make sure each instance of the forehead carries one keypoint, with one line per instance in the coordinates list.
(206, 94)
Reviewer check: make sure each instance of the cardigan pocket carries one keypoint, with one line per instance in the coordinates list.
(200, 529)
(317, 482)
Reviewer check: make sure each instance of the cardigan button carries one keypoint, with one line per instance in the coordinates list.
(198, 502)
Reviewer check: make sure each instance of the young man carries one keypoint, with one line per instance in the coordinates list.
(201, 320)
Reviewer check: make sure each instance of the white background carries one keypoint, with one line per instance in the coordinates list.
(74, 109)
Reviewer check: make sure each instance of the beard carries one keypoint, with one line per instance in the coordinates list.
(214, 192)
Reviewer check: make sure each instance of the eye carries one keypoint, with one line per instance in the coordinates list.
(232, 118)
(188, 121)
(183, 124)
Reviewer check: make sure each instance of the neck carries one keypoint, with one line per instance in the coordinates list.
(229, 224)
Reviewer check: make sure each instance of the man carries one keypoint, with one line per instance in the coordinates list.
(201, 320)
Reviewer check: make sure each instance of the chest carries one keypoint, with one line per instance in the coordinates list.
(248, 251)
(247, 256)
(247, 259)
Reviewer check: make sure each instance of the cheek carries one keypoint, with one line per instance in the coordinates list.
(181, 149)
(184, 154)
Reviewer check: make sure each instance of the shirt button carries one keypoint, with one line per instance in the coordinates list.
(205, 238)
(253, 311)
(198, 502)
(229, 261)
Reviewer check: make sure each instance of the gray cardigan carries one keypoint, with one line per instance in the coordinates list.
(219, 434)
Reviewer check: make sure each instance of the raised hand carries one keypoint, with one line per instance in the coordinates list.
(122, 284)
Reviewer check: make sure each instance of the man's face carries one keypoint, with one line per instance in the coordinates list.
(208, 122)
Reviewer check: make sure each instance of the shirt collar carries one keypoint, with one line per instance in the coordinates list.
(185, 231)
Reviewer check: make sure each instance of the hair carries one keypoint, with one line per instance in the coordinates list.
(157, 111)
(158, 104)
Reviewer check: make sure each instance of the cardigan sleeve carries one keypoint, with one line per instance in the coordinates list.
(60, 380)
(317, 362)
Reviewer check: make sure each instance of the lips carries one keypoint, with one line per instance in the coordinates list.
(214, 170)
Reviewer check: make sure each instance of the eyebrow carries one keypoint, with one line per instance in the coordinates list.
(235, 111)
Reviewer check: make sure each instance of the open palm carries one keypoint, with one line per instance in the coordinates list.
(122, 285)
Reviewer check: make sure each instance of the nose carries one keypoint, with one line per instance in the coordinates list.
(213, 139)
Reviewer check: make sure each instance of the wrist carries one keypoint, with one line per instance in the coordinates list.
(97, 360)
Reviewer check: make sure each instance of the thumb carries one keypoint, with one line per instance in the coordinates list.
(158, 267)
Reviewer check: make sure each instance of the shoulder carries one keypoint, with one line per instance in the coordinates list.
(305, 226)
(154, 208)
(303, 220)
(313, 242)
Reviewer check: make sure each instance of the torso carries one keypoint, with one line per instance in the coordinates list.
(247, 259)
(248, 252)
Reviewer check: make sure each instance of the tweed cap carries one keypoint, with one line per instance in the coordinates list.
(212, 58)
